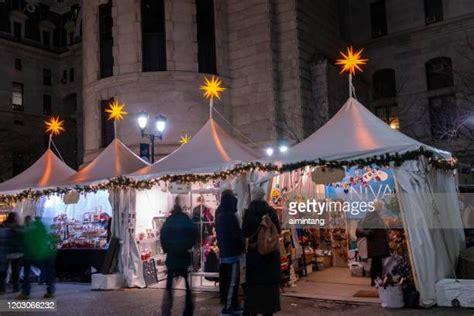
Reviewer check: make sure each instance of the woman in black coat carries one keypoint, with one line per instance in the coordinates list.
(263, 275)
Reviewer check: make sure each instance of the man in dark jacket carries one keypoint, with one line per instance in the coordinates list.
(178, 236)
(230, 242)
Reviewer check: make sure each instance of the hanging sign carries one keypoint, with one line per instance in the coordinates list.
(179, 188)
(71, 197)
(325, 175)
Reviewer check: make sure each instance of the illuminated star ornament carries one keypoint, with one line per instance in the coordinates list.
(116, 111)
(212, 88)
(351, 61)
(184, 139)
(54, 126)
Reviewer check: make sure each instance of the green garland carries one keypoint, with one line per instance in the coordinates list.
(385, 160)
(124, 183)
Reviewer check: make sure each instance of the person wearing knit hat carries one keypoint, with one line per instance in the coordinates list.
(263, 275)
(257, 194)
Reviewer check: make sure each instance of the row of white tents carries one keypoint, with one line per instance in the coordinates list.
(426, 195)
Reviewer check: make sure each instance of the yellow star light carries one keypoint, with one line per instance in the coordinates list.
(116, 111)
(184, 139)
(351, 61)
(54, 126)
(212, 88)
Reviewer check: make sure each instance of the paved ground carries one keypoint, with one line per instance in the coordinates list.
(78, 299)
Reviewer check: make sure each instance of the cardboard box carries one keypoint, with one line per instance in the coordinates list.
(455, 293)
(106, 281)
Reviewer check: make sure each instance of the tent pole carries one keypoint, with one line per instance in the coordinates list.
(350, 85)
(211, 104)
(50, 140)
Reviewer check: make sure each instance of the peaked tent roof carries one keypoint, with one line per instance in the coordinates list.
(47, 171)
(352, 133)
(115, 160)
(211, 149)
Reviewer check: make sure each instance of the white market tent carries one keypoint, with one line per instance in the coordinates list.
(47, 171)
(210, 150)
(427, 197)
(352, 133)
(115, 160)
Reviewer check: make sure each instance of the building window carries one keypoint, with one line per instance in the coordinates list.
(47, 77)
(389, 114)
(71, 75)
(443, 117)
(383, 82)
(378, 19)
(106, 40)
(439, 73)
(17, 96)
(107, 126)
(17, 31)
(47, 110)
(46, 39)
(433, 11)
(206, 36)
(18, 64)
(153, 35)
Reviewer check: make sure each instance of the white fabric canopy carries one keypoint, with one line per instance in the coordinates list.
(212, 149)
(47, 171)
(115, 160)
(352, 133)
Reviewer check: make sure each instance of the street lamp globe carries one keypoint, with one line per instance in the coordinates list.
(142, 119)
(269, 151)
(283, 148)
(160, 123)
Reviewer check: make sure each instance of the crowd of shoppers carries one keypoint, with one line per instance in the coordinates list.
(21, 248)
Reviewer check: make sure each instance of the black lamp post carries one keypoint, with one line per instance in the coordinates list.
(160, 125)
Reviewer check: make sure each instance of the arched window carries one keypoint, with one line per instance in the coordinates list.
(439, 73)
(383, 82)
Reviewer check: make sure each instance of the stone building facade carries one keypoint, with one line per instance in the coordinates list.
(40, 76)
(276, 58)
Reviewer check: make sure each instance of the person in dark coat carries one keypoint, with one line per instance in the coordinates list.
(15, 256)
(263, 274)
(230, 242)
(178, 235)
(5, 250)
(372, 227)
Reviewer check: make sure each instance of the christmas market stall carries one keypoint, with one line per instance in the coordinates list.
(91, 211)
(196, 173)
(356, 152)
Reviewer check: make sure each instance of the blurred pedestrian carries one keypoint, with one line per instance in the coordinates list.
(230, 242)
(15, 254)
(39, 250)
(178, 235)
(263, 275)
(373, 229)
(5, 250)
